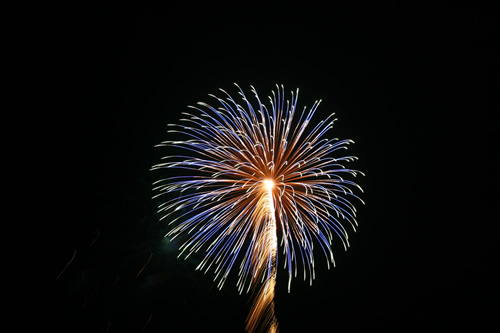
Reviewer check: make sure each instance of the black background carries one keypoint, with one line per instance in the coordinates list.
(414, 91)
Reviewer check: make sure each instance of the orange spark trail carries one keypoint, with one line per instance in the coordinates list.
(262, 311)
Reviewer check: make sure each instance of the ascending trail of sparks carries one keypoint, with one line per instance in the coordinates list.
(262, 311)
(255, 172)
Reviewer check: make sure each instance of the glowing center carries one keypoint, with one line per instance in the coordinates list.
(269, 184)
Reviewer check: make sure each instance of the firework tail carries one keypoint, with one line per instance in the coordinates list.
(262, 314)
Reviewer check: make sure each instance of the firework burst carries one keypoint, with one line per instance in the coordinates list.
(253, 172)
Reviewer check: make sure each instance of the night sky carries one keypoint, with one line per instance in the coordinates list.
(413, 91)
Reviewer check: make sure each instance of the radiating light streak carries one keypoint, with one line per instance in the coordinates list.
(252, 172)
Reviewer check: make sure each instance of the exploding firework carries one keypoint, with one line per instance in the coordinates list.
(251, 173)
